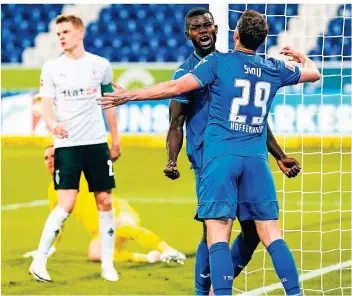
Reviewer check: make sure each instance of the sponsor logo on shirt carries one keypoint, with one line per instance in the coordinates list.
(79, 92)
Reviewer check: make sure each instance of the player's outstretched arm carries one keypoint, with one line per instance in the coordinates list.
(309, 71)
(289, 166)
(174, 138)
(160, 91)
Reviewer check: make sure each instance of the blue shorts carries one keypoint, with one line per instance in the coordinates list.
(236, 186)
(197, 177)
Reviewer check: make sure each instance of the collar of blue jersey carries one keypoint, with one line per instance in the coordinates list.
(198, 56)
(245, 52)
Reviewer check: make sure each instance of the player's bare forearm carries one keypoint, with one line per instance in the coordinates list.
(174, 139)
(48, 115)
(168, 89)
(111, 119)
(309, 72)
(48, 111)
(289, 166)
(174, 142)
(273, 146)
(112, 122)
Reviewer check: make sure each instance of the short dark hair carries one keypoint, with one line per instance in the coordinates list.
(253, 29)
(194, 12)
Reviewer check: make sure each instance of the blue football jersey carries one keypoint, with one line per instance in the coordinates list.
(197, 112)
(242, 87)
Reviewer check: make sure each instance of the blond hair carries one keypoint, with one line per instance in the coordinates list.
(69, 18)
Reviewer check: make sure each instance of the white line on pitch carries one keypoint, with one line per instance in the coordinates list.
(303, 277)
(31, 204)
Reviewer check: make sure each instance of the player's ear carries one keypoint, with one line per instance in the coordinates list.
(236, 35)
(187, 35)
(83, 33)
(216, 29)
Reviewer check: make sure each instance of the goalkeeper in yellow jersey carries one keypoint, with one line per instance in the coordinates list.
(127, 226)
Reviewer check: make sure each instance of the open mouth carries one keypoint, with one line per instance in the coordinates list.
(205, 40)
(63, 43)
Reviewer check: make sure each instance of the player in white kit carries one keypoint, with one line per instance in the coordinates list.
(69, 87)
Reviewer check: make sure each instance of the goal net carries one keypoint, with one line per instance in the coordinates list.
(314, 124)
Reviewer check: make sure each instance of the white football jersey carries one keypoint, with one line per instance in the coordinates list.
(75, 85)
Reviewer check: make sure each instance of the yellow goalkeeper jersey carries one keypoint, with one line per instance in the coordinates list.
(85, 209)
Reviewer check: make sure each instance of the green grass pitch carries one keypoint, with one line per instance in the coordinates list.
(140, 179)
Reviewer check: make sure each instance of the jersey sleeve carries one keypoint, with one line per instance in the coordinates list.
(107, 77)
(183, 98)
(47, 87)
(290, 74)
(205, 72)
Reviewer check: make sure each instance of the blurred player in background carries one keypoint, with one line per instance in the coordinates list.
(127, 225)
(68, 87)
(193, 108)
(235, 178)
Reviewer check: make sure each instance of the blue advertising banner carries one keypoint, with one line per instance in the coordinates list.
(291, 114)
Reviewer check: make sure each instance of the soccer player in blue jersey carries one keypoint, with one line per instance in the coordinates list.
(235, 179)
(193, 108)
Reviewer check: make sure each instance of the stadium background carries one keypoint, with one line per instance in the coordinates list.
(146, 43)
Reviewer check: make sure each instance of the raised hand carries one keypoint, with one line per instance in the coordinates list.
(109, 100)
(294, 55)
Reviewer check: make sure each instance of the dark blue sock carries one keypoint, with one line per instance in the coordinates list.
(242, 250)
(221, 268)
(202, 270)
(285, 266)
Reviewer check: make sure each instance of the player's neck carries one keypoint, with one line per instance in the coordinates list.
(203, 53)
(76, 53)
(240, 47)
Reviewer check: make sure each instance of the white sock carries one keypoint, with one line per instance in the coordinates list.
(107, 234)
(51, 230)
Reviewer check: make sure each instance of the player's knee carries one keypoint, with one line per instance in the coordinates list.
(218, 230)
(104, 202)
(94, 251)
(268, 231)
(67, 199)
